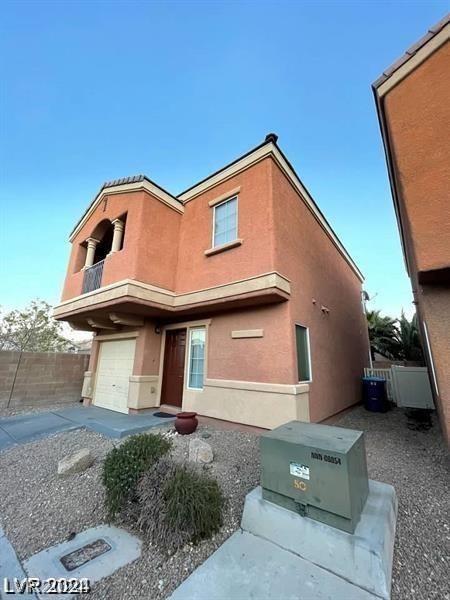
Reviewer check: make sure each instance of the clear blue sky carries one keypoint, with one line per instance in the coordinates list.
(93, 91)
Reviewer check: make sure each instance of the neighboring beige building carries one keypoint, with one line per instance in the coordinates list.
(413, 103)
(234, 299)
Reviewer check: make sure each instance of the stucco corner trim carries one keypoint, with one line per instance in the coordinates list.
(248, 333)
(87, 389)
(223, 247)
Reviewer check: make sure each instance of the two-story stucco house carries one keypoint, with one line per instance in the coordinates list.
(234, 299)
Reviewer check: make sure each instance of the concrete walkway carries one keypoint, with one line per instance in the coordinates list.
(10, 568)
(278, 554)
(32, 426)
(247, 567)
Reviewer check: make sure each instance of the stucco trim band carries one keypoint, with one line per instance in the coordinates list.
(116, 336)
(170, 300)
(186, 324)
(223, 247)
(258, 386)
(247, 333)
(143, 378)
(143, 391)
(234, 192)
(251, 403)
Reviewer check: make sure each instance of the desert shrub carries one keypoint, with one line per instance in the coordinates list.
(178, 504)
(125, 464)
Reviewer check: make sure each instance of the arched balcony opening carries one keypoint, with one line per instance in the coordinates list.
(104, 233)
(106, 238)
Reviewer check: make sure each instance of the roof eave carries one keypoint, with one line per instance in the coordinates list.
(412, 51)
(391, 172)
(418, 52)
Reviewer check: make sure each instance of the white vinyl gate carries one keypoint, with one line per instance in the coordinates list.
(408, 387)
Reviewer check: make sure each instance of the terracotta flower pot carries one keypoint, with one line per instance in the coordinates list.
(186, 422)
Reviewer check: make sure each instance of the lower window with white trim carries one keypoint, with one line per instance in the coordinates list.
(196, 364)
(303, 353)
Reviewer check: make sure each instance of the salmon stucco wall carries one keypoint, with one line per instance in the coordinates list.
(266, 359)
(148, 348)
(320, 277)
(146, 255)
(253, 257)
(435, 311)
(157, 240)
(417, 113)
(120, 265)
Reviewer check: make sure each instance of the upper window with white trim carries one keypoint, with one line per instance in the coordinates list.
(225, 222)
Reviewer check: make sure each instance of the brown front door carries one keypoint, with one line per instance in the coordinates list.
(173, 370)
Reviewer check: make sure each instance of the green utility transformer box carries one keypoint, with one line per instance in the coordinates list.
(318, 471)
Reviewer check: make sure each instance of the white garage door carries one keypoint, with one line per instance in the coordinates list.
(115, 365)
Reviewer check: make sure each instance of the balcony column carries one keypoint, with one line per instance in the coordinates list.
(90, 254)
(117, 236)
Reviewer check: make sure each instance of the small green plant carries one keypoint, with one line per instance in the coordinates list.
(178, 504)
(125, 464)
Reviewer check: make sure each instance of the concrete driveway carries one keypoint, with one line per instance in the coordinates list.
(28, 427)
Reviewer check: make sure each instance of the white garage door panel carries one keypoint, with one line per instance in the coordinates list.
(115, 365)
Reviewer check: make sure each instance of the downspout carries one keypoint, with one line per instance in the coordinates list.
(364, 298)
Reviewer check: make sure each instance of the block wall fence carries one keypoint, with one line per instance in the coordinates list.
(38, 378)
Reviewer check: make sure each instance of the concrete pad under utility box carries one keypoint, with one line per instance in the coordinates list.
(247, 567)
(363, 558)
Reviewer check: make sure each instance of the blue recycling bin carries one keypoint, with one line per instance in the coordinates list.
(374, 394)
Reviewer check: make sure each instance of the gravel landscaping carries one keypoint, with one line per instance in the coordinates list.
(417, 464)
(37, 509)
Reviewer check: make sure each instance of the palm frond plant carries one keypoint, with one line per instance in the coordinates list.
(408, 339)
(383, 334)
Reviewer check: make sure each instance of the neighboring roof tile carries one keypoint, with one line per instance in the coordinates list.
(132, 179)
(412, 50)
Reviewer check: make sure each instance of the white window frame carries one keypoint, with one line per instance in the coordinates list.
(308, 342)
(188, 369)
(235, 197)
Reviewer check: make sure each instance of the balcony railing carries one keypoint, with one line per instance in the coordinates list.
(93, 277)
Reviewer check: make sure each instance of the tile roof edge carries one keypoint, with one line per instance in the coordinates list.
(412, 50)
